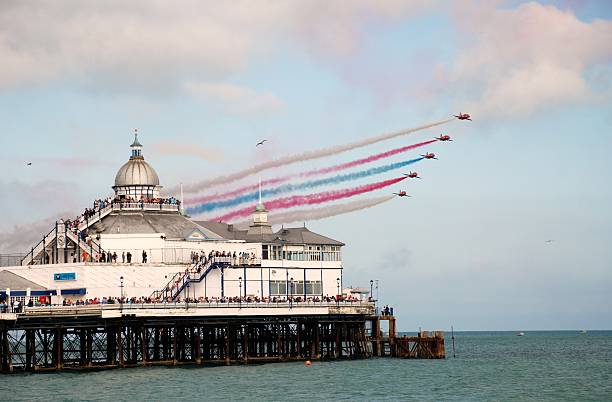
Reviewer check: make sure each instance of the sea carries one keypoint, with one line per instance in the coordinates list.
(488, 366)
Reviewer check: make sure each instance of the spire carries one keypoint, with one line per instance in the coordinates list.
(136, 146)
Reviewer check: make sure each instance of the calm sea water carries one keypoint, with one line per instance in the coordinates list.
(489, 366)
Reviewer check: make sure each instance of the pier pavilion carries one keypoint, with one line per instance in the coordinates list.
(155, 242)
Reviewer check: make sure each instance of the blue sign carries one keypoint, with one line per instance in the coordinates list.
(65, 276)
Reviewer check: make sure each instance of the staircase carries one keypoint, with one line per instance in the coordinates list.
(37, 252)
(97, 217)
(180, 280)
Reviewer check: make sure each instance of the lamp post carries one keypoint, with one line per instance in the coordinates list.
(121, 298)
(240, 285)
(371, 285)
(376, 290)
(187, 298)
(291, 292)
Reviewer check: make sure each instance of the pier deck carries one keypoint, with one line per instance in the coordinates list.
(111, 336)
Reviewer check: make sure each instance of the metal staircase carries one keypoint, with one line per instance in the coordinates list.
(195, 274)
(61, 233)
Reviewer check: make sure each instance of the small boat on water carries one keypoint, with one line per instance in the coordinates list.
(520, 334)
(584, 331)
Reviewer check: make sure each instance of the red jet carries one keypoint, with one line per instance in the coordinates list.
(429, 155)
(463, 116)
(402, 193)
(443, 138)
(412, 175)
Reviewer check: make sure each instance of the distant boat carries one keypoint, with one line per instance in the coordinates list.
(584, 331)
(520, 334)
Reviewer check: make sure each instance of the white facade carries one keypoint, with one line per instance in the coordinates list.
(291, 262)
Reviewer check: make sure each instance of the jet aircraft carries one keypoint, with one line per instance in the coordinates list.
(429, 155)
(463, 116)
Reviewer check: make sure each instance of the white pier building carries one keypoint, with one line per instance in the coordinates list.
(256, 262)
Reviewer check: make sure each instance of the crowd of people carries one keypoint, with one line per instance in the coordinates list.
(111, 257)
(102, 203)
(17, 306)
(201, 259)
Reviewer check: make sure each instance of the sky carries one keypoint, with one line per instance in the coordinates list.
(204, 81)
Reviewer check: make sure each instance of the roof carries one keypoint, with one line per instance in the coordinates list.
(299, 235)
(11, 280)
(172, 224)
(136, 143)
(137, 172)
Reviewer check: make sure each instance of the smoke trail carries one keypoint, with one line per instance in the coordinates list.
(311, 199)
(368, 159)
(315, 172)
(306, 156)
(287, 188)
(322, 212)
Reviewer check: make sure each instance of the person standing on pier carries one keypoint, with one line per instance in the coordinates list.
(144, 257)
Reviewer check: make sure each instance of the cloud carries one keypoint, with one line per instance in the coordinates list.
(69, 162)
(236, 98)
(185, 149)
(519, 61)
(158, 46)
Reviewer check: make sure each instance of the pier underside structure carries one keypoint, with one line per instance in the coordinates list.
(44, 341)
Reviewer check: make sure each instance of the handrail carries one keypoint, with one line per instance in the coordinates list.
(214, 304)
(166, 288)
(188, 276)
(37, 244)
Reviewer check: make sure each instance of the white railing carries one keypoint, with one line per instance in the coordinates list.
(201, 306)
(126, 206)
(119, 206)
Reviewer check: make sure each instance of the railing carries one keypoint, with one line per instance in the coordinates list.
(97, 216)
(126, 206)
(197, 277)
(9, 260)
(35, 251)
(144, 206)
(98, 308)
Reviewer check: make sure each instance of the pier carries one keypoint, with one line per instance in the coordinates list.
(422, 346)
(110, 336)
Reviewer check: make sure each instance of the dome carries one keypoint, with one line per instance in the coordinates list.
(136, 172)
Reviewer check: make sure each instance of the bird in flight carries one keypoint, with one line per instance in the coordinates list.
(260, 143)
(549, 241)
(29, 163)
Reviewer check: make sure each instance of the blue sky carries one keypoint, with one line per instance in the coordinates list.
(204, 82)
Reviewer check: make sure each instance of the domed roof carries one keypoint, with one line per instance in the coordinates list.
(136, 172)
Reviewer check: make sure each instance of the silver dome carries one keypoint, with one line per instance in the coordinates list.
(136, 172)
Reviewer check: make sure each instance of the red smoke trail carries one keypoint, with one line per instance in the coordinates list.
(330, 169)
(311, 199)
(368, 159)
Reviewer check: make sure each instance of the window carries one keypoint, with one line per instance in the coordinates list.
(264, 252)
(279, 288)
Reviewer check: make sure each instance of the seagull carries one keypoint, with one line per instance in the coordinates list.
(260, 143)
(29, 163)
(549, 241)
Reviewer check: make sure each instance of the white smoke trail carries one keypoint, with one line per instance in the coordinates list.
(322, 212)
(309, 155)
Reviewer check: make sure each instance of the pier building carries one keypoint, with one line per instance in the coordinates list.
(156, 250)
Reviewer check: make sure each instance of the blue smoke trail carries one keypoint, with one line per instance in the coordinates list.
(286, 188)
